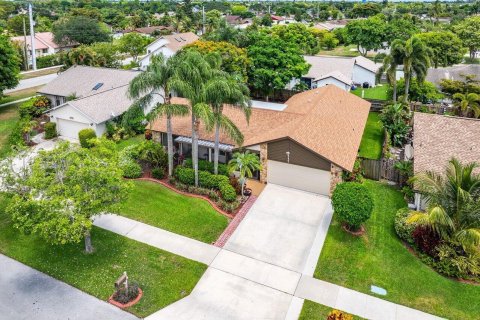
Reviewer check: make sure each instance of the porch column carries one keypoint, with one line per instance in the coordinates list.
(181, 148)
(263, 162)
(209, 154)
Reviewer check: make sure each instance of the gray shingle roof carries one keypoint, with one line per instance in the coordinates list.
(80, 80)
(321, 66)
(452, 73)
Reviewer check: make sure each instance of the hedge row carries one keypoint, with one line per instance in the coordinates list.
(207, 180)
(204, 165)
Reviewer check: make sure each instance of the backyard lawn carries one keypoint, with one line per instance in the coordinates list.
(122, 144)
(164, 277)
(159, 206)
(376, 93)
(8, 119)
(315, 311)
(379, 258)
(372, 139)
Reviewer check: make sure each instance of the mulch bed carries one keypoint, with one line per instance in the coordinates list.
(128, 304)
(360, 232)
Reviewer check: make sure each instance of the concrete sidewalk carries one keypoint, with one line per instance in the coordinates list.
(29, 294)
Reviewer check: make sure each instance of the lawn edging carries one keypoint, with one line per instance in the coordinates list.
(192, 195)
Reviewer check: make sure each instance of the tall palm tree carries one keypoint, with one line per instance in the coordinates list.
(415, 57)
(389, 68)
(193, 75)
(454, 203)
(233, 92)
(155, 81)
(466, 103)
(245, 163)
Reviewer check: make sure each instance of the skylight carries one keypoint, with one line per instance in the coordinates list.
(98, 86)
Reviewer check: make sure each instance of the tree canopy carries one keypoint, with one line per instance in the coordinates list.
(79, 29)
(9, 64)
(367, 34)
(469, 31)
(446, 48)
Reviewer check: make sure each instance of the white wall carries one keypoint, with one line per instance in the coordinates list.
(361, 75)
(331, 80)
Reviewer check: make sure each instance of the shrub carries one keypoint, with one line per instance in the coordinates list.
(148, 134)
(205, 165)
(41, 103)
(153, 153)
(26, 109)
(205, 179)
(158, 173)
(356, 175)
(219, 179)
(228, 206)
(454, 262)
(50, 130)
(213, 195)
(236, 184)
(48, 61)
(228, 192)
(131, 152)
(130, 168)
(352, 203)
(85, 135)
(185, 175)
(404, 229)
(426, 240)
(124, 297)
(339, 315)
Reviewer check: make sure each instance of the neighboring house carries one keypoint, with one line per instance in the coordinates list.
(44, 44)
(146, 31)
(456, 72)
(87, 97)
(340, 71)
(168, 45)
(306, 146)
(238, 22)
(438, 138)
(331, 25)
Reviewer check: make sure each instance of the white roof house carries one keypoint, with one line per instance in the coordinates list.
(340, 71)
(168, 45)
(87, 97)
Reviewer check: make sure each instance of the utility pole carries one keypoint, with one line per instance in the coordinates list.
(25, 51)
(32, 37)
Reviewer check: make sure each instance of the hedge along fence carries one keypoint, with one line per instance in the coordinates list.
(205, 165)
(207, 180)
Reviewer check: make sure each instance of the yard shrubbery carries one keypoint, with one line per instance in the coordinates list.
(50, 130)
(85, 135)
(205, 165)
(352, 203)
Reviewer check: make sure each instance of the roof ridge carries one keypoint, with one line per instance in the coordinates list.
(103, 68)
(98, 93)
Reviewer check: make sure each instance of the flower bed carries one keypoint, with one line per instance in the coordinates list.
(128, 304)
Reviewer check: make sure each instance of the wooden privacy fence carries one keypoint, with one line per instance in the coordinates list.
(380, 169)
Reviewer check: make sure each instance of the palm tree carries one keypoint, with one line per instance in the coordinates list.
(193, 74)
(467, 102)
(454, 203)
(389, 68)
(415, 57)
(245, 163)
(156, 81)
(235, 93)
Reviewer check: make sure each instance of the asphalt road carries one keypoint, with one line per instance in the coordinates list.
(33, 82)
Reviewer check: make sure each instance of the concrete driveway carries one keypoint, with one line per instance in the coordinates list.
(29, 294)
(257, 272)
(281, 227)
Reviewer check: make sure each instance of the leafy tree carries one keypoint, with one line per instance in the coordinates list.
(469, 31)
(274, 63)
(106, 55)
(389, 67)
(352, 203)
(239, 9)
(470, 85)
(415, 58)
(244, 163)
(156, 81)
(400, 28)
(80, 29)
(364, 10)
(213, 20)
(395, 119)
(9, 64)
(467, 104)
(134, 44)
(367, 34)
(453, 203)
(234, 59)
(446, 48)
(266, 20)
(15, 24)
(425, 92)
(58, 196)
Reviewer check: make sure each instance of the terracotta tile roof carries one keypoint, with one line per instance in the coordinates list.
(328, 120)
(438, 138)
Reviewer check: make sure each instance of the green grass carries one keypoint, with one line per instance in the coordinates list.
(380, 258)
(315, 311)
(8, 119)
(20, 94)
(372, 139)
(158, 206)
(379, 92)
(122, 144)
(164, 277)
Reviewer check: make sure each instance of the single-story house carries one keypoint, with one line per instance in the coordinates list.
(455, 72)
(146, 31)
(44, 44)
(340, 71)
(438, 138)
(168, 45)
(331, 25)
(87, 97)
(305, 146)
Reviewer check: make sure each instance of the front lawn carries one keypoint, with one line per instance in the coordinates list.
(8, 119)
(380, 258)
(315, 311)
(122, 144)
(375, 93)
(159, 206)
(164, 277)
(372, 139)
(20, 94)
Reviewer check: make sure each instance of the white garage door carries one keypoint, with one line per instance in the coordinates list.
(70, 129)
(298, 177)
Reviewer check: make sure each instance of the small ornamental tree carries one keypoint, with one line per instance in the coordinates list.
(85, 135)
(352, 203)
